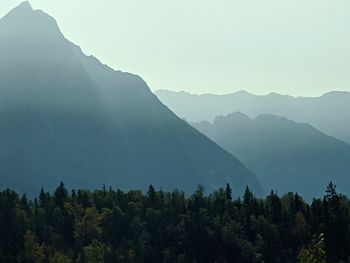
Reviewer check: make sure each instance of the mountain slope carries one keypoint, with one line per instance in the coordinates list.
(286, 156)
(65, 116)
(329, 113)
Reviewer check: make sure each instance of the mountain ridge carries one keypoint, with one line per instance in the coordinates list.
(68, 117)
(285, 155)
(244, 92)
(328, 113)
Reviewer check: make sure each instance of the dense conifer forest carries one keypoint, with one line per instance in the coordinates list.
(113, 226)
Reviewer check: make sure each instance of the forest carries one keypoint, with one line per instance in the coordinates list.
(108, 225)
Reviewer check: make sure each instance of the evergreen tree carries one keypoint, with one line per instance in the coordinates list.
(228, 192)
(117, 226)
(60, 195)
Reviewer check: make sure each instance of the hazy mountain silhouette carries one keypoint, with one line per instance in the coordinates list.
(329, 113)
(286, 156)
(65, 116)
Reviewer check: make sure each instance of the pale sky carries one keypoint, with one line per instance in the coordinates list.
(296, 47)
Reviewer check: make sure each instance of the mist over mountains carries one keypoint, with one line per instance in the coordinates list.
(285, 155)
(66, 117)
(328, 113)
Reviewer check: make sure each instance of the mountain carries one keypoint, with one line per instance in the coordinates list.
(329, 113)
(64, 116)
(285, 155)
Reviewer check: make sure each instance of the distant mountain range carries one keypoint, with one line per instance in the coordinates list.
(65, 116)
(329, 113)
(286, 156)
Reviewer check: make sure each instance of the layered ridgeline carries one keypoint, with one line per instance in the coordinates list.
(329, 113)
(66, 117)
(286, 156)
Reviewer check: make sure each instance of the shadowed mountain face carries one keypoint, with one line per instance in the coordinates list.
(65, 116)
(329, 113)
(286, 156)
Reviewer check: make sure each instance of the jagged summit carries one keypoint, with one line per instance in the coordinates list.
(22, 9)
(236, 116)
(25, 6)
(24, 20)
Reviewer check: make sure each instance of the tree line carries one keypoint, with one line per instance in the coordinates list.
(109, 225)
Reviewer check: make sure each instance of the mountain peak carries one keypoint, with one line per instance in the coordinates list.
(237, 117)
(336, 94)
(29, 26)
(22, 8)
(25, 6)
(242, 92)
(20, 12)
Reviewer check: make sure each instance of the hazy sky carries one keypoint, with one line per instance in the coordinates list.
(297, 47)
